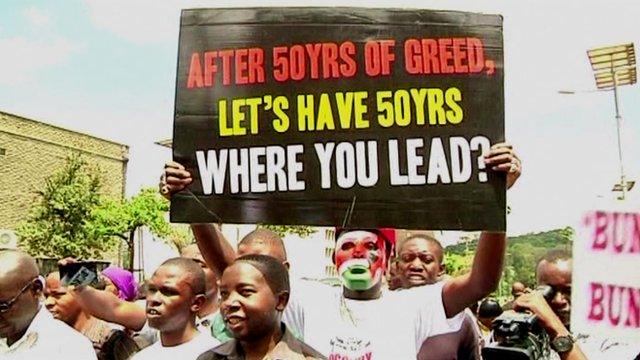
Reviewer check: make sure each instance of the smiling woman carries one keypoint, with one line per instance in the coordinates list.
(254, 292)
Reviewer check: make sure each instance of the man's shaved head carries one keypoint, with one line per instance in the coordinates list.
(419, 261)
(263, 242)
(18, 283)
(517, 289)
(435, 244)
(191, 251)
(17, 266)
(175, 295)
(555, 270)
(192, 271)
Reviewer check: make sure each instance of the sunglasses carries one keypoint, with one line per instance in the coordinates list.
(6, 305)
(424, 258)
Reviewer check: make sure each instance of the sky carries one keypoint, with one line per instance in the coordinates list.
(107, 68)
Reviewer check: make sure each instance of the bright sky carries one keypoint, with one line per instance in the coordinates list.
(107, 68)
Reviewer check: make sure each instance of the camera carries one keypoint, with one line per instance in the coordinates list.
(519, 336)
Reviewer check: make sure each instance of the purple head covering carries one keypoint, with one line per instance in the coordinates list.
(123, 280)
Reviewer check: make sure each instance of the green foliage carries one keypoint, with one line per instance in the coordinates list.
(120, 218)
(59, 223)
(282, 230)
(458, 264)
(72, 218)
(523, 253)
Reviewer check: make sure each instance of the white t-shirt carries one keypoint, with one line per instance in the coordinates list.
(393, 326)
(148, 335)
(293, 315)
(48, 338)
(187, 351)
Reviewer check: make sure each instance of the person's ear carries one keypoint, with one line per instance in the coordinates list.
(282, 300)
(441, 269)
(37, 286)
(197, 303)
(286, 264)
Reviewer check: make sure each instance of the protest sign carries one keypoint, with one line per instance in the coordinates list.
(606, 276)
(330, 116)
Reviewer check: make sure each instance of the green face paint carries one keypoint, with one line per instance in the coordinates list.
(357, 277)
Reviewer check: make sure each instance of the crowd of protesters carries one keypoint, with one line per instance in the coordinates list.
(396, 300)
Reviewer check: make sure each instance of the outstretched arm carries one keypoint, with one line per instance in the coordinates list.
(214, 247)
(462, 291)
(108, 307)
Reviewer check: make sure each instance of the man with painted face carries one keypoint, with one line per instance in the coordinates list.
(175, 295)
(362, 320)
(359, 263)
(349, 325)
(27, 329)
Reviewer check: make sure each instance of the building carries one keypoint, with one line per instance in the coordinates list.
(31, 150)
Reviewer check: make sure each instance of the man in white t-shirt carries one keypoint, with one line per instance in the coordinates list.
(364, 320)
(420, 262)
(175, 295)
(27, 329)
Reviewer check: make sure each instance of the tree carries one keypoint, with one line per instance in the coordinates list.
(58, 225)
(458, 264)
(522, 255)
(121, 219)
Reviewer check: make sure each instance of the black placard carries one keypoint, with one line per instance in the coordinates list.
(317, 115)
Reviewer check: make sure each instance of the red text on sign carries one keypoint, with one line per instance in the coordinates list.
(614, 305)
(239, 67)
(614, 232)
(314, 61)
(445, 56)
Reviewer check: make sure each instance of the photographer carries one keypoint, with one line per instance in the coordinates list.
(555, 271)
(562, 342)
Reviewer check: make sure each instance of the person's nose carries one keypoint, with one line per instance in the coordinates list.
(49, 302)
(416, 264)
(359, 251)
(231, 303)
(559, 300)
(154, 298)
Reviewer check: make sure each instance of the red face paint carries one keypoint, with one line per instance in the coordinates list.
(360, 259)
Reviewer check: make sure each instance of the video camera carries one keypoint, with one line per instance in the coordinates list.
(519, 336)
